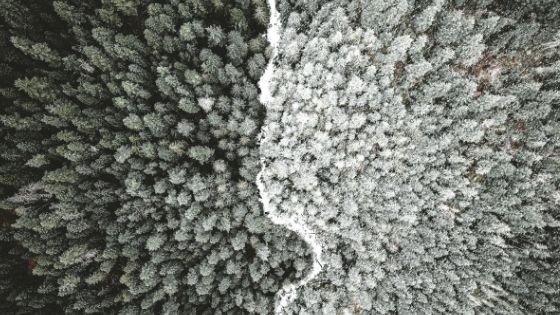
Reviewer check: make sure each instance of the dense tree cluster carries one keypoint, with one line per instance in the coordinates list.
(128, 157)
(421, 141)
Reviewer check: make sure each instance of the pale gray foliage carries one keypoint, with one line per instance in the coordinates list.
(420, 139)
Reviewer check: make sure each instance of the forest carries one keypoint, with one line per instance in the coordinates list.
(279, 157)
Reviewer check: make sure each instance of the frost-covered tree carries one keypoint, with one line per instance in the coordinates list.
(420, 140)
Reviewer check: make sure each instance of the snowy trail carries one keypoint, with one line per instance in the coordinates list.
(295, 223)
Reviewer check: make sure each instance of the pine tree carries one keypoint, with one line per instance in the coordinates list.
(122, 184)
(439, 120)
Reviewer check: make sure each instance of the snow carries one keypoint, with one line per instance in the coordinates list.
(295, 223)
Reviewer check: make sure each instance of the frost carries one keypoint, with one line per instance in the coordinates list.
(288, 293)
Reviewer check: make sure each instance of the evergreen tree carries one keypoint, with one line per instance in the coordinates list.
(130, 140)
(419, 139)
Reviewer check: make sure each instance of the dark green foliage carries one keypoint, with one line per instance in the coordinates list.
(129, 143)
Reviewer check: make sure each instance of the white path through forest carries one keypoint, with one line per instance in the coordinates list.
(295, 223)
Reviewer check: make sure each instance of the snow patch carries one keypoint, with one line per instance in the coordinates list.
(295, 223)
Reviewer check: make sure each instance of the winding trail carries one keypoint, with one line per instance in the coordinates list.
(295, 223)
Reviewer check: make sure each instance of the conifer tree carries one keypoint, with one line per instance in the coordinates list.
(128, 171)
(419, 140)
